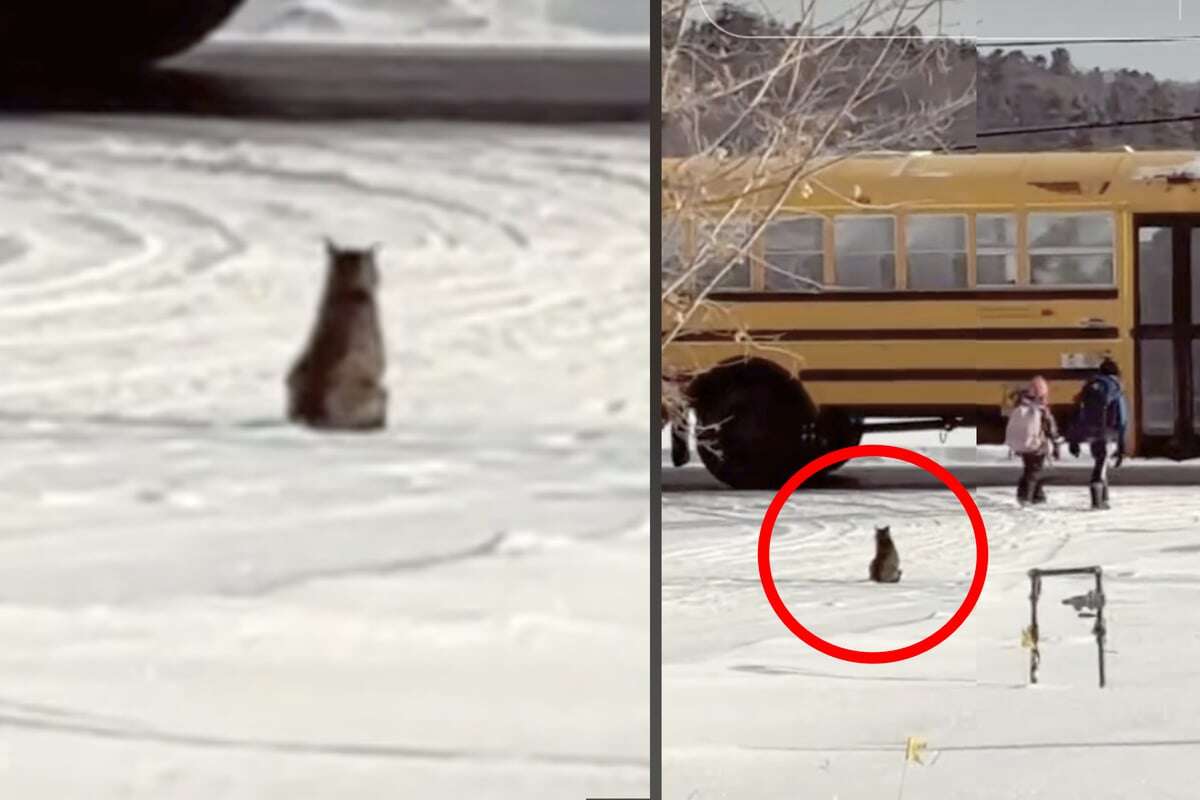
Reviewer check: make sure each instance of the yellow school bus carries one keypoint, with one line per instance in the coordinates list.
(928, 287)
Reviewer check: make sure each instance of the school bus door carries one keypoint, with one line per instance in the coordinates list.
(1166, 333)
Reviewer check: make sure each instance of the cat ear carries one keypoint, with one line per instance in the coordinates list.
(330, 246)
(374, 248)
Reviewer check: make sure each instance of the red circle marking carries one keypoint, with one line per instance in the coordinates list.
(874, 656)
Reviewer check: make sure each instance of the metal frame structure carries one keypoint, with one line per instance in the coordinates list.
(1093, 600)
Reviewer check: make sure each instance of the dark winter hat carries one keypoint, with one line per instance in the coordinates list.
(1109, 367)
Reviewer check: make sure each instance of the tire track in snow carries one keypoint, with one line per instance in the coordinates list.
(151, 735)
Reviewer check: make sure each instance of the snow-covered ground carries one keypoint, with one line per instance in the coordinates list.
(751, 711)
(533, 22)
(197, 601)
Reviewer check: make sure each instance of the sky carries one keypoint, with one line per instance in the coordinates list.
(999, 20)
(1010, 19)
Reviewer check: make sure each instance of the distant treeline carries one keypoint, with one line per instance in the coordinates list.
(1018, 90)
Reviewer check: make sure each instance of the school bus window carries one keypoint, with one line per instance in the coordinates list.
(794, 253)
(865, 252)
(1195, 250)
(1159, 409)
(1196, 383)
(716, 243)
(1071, 249)
(937, 251)
(996, 249)
(1156, 266)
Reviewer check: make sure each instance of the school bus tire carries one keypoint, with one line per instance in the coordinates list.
(755, 424)
(836, 429)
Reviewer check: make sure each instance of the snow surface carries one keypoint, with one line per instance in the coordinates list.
(751, 711)
(575, 22)
(197, 601)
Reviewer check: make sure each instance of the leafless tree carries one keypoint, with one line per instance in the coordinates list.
(752, 113)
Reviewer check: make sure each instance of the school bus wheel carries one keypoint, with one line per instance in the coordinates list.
(756, 424)
(838, 428)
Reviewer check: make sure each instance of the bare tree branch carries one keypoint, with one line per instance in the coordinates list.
(755, 110)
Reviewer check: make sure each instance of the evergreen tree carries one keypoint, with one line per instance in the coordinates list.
(1080, 114)
(1161, 104)
(1060, 62)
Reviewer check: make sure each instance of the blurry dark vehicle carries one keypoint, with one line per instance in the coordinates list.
(103, 34)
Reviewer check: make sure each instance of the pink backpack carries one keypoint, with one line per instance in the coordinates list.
(1024, 432)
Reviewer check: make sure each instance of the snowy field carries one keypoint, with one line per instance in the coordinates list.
(751, 711)
(197, 601)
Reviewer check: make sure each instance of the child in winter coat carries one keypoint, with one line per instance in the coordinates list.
(1100, 419)
(1033, 435)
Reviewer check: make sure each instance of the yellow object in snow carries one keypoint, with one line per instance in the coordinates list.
(913, 749)
(1028, 640)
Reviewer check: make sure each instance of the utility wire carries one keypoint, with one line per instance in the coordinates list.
(1079, 126)
(1000, 42)
(1075, 126)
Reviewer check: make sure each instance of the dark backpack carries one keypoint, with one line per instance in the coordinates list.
(1098, 411)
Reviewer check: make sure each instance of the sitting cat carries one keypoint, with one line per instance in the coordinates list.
(885, 567)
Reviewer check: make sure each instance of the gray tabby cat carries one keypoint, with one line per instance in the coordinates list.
(337, 383)
(885, 567)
